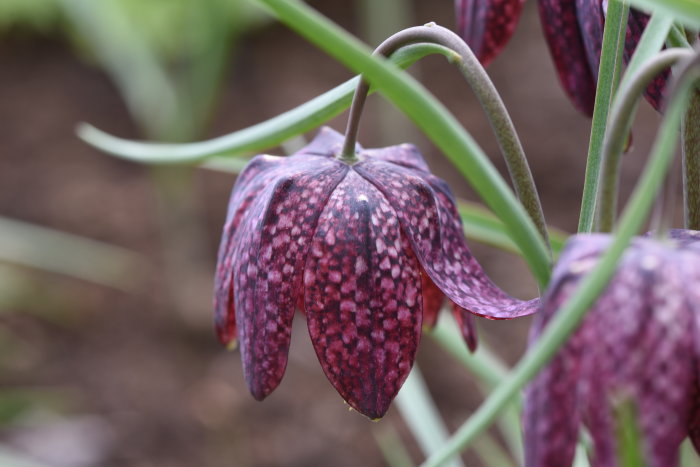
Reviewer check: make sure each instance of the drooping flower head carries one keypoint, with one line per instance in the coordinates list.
(365, 250)
(574, 33)
(639, 343)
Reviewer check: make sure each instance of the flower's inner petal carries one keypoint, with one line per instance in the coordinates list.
(565, 43)
(438, 240)
(362, 290)
(591, 21)
(487, 25)
(327, 143)
(270, 248)
(433, 298)
(467, 326)
(406, 155)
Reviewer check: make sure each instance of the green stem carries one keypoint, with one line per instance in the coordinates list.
(255, 138)
(608, 76)
(691, 163)
(432, 117)
(489, 99)
(575, 308)
(683, 11)
(620, 122)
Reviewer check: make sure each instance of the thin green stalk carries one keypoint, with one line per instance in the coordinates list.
(489, 99)
(573, 311)
(255, 138)
(691, 163)
(621, 118)
(432, 117)
(683, 11)
(608, 77)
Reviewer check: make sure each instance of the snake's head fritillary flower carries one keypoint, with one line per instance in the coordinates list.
(638, 343)
(574, 33)
(366, 250)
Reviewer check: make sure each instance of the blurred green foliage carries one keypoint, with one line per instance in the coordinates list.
(33, 15)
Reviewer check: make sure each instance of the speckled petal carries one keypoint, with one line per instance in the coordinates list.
(270, 248)
(255, 177)
(561, 29)
(487, 25)
(362, 291)
(467, 326)
(327, 143)
(441, 249)
(591, 20)
(406, 155)
(433, 298)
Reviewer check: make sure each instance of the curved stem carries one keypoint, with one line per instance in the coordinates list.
(620, 122)
(574, 309)
(488, 97)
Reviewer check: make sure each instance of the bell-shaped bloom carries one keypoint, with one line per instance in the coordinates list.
(638, 344)
(574, 33)
(366, 250)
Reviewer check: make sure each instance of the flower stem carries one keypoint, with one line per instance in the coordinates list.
(488, 97)
(608, 77)
(691, 163)
(620, 122)
(573, 311)
(430, 116)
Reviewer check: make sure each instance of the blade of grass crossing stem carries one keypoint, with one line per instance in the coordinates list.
(432, 117)
(608, 77)
(571, 313)
(489, 371)
(421, 415)
(629, 439)
(683, 11)
(258, 137)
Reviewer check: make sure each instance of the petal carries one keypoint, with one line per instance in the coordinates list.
(270, 249)
(406, 155)
(467, 326)
(551, 409)
(327, 143)
(487, 25)
(255, 177)
(565, 43)
(636, 24)
(362, 292)
(591, 21)
(441, 249)
(433, 298)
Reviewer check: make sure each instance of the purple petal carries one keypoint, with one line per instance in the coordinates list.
(433, 298)
(591, 21)
(406, 155)
(363, 297)
(565, 42)
(636, 24)
(270, 247)
(327, 143)
(438, 240)
(467, 326)
(487, 25)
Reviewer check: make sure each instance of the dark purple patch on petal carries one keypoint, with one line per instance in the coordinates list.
(636, 24)
(467, 326)
(591, 21)
(363, 297)
(270, 250)
(433, 298)
(487, 25)
(561, 29)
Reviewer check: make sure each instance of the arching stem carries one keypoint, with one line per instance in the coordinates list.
(620, 122)
(488, 97)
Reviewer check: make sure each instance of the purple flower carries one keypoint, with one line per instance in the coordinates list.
(365, 250)
(574, 33)
(638, 343)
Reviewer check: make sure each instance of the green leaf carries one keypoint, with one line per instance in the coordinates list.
(683, 11)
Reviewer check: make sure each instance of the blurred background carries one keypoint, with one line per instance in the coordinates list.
(107, 350)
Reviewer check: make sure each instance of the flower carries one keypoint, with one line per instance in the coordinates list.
(366, 251)
(574, 33)
(638, 343)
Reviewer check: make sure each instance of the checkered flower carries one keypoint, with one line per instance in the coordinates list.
(638, 343)
(574, 33)
(367, 251)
